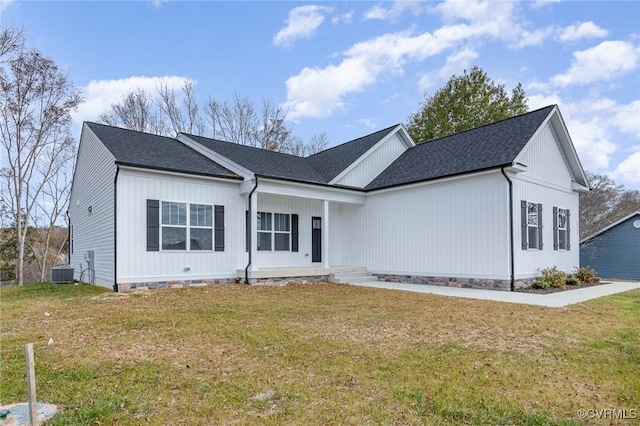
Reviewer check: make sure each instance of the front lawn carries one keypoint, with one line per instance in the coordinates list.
(316, 354)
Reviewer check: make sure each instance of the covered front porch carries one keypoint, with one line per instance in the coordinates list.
(294, 230)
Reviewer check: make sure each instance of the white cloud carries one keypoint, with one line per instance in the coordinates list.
(584, 30)
(539, 4)
(319, 92)
(393, 13)
(4, 4)
(100, 95)
(595, 125)
(627, 118)
(628, 171)
(456, 64)
(376, 12)
(344, 18)
(158, 3)
(532, 38)
(303, 21)
(368, 123)
(605, 61)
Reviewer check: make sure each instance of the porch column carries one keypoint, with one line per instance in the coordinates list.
(253, 223)
(325, 233)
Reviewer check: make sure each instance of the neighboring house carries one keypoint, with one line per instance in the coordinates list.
(614, 252)
(484, 208)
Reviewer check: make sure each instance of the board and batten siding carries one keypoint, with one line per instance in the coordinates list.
(615, 253)
(546, 181)
(375, 162)
(544, 160)
(305, 209)
(93, 187)
(137, 265)
(451, 228)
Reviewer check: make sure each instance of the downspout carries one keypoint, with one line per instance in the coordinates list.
(115, 230)
(246, 270)
(69, 237)
(511, 243)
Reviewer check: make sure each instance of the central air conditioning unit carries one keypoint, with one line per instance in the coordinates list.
(61, 274)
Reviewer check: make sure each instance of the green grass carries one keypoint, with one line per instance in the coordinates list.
(316, 354)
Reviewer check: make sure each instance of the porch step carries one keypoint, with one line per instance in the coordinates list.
(352, 277)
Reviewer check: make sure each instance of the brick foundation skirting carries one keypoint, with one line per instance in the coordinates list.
(479, 283)
(125, 287)
(312, 279)
(309, 279)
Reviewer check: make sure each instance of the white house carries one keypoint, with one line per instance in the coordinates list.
(487, 208)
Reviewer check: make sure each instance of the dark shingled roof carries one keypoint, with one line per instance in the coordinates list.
(486, 147)
(331, 162)
(262, 161)
(149, 151)
(490, 146)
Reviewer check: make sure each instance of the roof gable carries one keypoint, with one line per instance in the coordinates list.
(490, 146)
(613, 225)
(333, 161)
(138, 149)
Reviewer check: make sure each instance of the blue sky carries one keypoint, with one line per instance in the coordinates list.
(350, 68)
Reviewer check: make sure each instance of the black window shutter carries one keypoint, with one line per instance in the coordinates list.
(555, 228)
(247, 227)
(568, 230)
(523, 217)
(219, 225)
(153, 225)
(540, 226)
(294, 233)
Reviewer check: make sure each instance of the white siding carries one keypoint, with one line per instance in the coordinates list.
(305, 209)
(454, 228)
(374, 163)
(546, 181)
(93, 186)
(529, 262)
(136, 264)
(544, 160)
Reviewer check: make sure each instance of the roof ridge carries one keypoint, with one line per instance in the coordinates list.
(130, 130)
(239, 144)
(353, 140)
(485, 125)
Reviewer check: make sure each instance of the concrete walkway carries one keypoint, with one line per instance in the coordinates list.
(552, 300)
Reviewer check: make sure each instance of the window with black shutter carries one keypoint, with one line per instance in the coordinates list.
(219, 227)
(153, 225)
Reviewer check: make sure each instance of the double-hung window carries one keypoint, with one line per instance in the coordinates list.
(264, 231)
(562, 229)
(274, 231)
(174, 226)
(201, 227)
(531, 225)
(182, 226)
(282, 231)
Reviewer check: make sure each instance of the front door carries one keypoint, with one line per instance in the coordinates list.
(316, 239)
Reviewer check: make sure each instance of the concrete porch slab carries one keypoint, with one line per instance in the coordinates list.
(264, 273)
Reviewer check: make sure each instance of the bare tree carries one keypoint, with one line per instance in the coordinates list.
(45, 215)
(317, 143)
(189, 120)
(36, 101)
(237, 121)
(136, 111)
(605, 203)
(233, 122)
